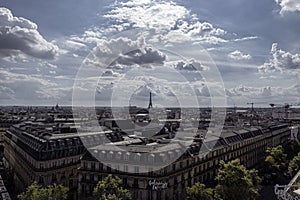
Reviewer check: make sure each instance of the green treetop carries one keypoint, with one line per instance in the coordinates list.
(276, 159)
(51, 192)
(235, 182)
(110, 189)
(199, 191)
(294, 165)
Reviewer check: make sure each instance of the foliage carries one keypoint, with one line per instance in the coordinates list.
(235, 182)
(276, 159)
(110, 189)
(199, 191)
(292, 148)
(294, 165)
(57, 192)
(37, 192)
(33, 192)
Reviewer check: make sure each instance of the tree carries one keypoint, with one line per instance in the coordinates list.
(57, 192)
(294, 165)
(37, 192)
(199, 191)
(291, 148)
(33, 192)
(276, 159)
(235, 182)
(110, 189)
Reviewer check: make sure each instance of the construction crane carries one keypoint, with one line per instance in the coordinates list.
(252, 107)
(252, 112)
(286, 107)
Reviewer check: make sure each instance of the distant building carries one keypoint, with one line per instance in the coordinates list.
(198, 164)
(295, 133)
(47, 148)
(46, 153)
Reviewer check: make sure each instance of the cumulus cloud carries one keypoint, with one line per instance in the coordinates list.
(24, 87)
(157, 90)
(190, 65)
(203, 91)
(170, 20)
(164, 92)
(19, 35)
(124, 51)
(110, 73)
(237, 55)
(251, 92)
(280, 61)
(265, 94)
(288, 5)
(147, 55)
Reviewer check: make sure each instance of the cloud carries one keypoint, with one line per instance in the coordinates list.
(146, 55)
(151, 14)
(265, 94)
(237, 55)
(110, 73)
(288, 6)
(75, 45)
(245, 39)
(190, 65)
(24, 87)
(164, 92)
(169, 20)
(19, 35)
(124, 51)
(280, 61)
(203, 91)
(250, 92)
(6, 93)
(157, 90)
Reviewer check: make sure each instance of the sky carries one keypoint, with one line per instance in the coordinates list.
(185, 52)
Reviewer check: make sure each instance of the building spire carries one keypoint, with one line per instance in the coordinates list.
(150, 101)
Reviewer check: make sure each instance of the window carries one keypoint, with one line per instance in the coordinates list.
(110, 155)
(126, 156)
(108, 168)
(124, 181)
(136, 183)
(151, 158)
(119, 155)
(92, 177)
(136, 169)
(137, 157)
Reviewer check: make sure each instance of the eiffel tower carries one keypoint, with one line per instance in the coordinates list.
(150, 101)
